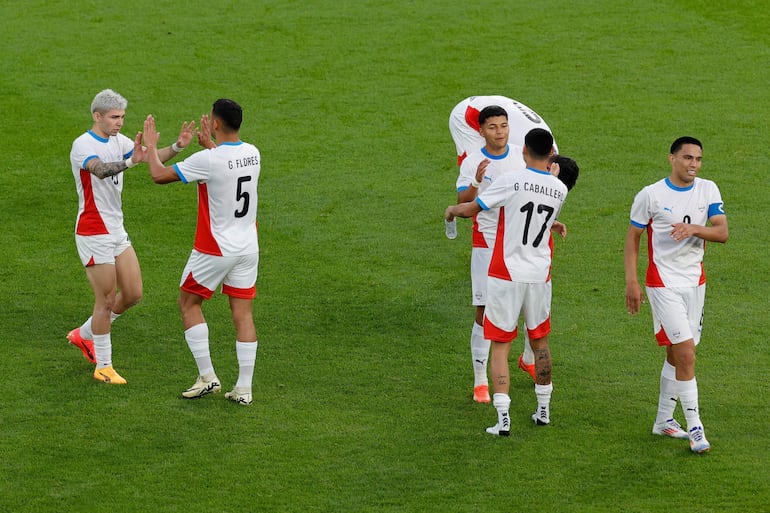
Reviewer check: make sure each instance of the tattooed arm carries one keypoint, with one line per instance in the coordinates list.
(105, 169)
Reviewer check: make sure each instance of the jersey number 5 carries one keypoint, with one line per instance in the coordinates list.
(529, 209)
(240, 194)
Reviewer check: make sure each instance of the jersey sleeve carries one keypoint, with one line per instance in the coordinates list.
(495, 195)
(640, 212)
(467, 174)
(715, 204)
(126, 146)
(80, 154)
(196, 167)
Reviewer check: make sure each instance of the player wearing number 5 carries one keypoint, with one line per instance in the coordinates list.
(675, 212)
(226, 250)
(529, 201)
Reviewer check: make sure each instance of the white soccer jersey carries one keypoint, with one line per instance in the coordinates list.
(529, 202)
(675, 263)
(485, 222)
(100, 208)
(227, 179)
(464, 123)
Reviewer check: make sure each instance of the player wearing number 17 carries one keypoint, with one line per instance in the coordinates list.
(226, 250)
(529, 201)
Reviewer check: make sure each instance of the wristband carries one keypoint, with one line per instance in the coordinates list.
(475, 183)
(130, 162)
(175, 148)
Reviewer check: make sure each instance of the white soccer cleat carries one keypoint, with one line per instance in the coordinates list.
(670, 428)
(240, 395)
(698, 442)
(541, 417)
(503, 426)
(208, 384)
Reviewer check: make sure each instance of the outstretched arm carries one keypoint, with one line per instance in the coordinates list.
(185, 136)
(467, 209)
(102, 170)
(160, 173)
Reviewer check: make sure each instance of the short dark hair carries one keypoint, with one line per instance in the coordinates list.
(539, 142)
(568, 170)
(491, 112)
(229, 112)
(677, 145)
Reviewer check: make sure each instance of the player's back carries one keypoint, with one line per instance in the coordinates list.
(530, 201)
(227, 179)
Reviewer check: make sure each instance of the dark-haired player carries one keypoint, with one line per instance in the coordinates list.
(676, 212)
(226, 249)
(498, 151)
(529, 201)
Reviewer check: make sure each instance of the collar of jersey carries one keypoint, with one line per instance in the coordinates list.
(100, 139)
(229, 143)
(538, 171)
(496, 157)
(680, 189)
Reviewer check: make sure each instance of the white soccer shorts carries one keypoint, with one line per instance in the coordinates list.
(237, 274)
(480, 258)
(466, 139)
(101, 249)
(677, 313)
(508, 300)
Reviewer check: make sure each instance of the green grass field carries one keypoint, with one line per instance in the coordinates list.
(363, 378)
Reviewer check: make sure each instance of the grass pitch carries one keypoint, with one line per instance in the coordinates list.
(363, 379)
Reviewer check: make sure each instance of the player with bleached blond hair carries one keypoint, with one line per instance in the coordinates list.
(99, 159)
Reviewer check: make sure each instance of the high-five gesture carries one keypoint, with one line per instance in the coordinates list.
(204, 134)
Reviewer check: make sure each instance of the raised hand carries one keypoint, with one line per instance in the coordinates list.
(151, 134)
(204, 134)
(139, 153)
(186, 134)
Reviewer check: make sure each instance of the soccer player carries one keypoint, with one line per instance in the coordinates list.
(529, 201)
(466, 124)
(226, 249)
(680, 213)
(98, 158)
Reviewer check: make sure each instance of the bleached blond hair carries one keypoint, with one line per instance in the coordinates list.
(108, 100)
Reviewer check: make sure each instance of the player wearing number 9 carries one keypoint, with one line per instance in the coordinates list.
(226, 250)
(529, 201)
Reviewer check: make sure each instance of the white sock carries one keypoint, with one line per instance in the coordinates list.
(668, 393)
(502, 403)
(197, 338)
(529, 356)
(85, 330)
(543, 394)
(480, 355)
(103, 350)
(247, 355)
(688, 395)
